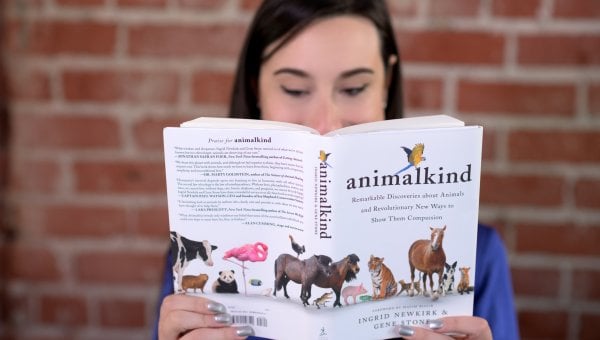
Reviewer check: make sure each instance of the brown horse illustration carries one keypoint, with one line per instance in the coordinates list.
(428, 257)
(317, 270)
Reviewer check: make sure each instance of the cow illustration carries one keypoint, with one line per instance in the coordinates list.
(184, 250)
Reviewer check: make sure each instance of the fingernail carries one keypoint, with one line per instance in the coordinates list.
(404, 330)
(224, 318)
(244, 331)
(435, 324)
(216, 307)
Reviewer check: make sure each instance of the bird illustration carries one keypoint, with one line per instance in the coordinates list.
(297, 247)
(415, 156)
(323, 157)
(256, 252)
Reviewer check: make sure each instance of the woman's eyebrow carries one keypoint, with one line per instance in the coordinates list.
(292, 71)
(303, 74)
(353, 72)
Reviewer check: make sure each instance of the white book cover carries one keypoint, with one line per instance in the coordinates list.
(349, 225)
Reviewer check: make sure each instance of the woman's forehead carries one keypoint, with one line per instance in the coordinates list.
(341, 42)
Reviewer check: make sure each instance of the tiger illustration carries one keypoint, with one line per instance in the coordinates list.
(384, 284)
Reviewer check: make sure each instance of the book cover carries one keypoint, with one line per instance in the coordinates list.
(326, 237)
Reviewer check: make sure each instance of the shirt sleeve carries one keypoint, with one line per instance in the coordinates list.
(494, 299)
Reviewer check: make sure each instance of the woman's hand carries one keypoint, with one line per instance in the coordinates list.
(193, 317)
(452, 327)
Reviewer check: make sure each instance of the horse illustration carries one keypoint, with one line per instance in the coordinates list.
(317, 270)
(428, 257)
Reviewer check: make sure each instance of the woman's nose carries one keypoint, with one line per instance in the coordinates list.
(326, 116)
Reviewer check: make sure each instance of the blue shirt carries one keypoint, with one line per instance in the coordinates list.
(493, 291)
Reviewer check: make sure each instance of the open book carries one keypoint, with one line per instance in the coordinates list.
(353, 226)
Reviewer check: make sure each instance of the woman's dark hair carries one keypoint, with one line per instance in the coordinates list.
(282, 20)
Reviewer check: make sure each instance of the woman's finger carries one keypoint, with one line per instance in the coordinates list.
(180, 315)
(421, 333)
(467, 327)
(456, 327)
(188, 325)
(226, 333)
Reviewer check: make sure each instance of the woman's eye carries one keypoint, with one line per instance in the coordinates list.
(294, 92)
(353, 91)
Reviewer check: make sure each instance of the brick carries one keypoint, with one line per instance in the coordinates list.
(585, 283)
(520, 190)
(490, 141)
(425, 94)
(594, 100)
(202, 4)
(24, 216)
(30, 86)
(548, 325)
(11, 30)
(454, 8)
(83, 221)
(120, 86)
(576, 9)
(212, 87)
(554, 146)
(120, 313)
(526, 281)
(32, 4)
(515, 98)
(152, 222)
(4, 170)
(56, 37)
(17, 307)
(587, 193)
(473, 48)
(564, 50)
(250, 5)
(80, 3)
(557, 239)
(32, 262)
(66, 132)
(120, 177)
(132, 267)
(142, 3)
(33, 333)
(35, 176)
(403, 8)
(148, 133)
(185, 41)
(588, 329)
(515, 8)
(63, 310)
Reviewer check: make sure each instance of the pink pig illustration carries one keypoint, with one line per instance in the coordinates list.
(353, 291)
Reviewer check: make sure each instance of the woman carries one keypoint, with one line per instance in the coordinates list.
(328, 64)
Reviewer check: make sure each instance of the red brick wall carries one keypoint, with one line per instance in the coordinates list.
(92, 83)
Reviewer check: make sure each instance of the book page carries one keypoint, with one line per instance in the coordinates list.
(411, 123)
(230, 178)
(241, 123)
(238, 199)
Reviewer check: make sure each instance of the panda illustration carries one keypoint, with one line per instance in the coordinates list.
(225, 283)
